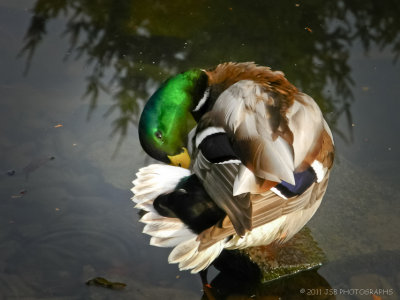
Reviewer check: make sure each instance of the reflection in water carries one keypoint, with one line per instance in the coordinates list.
(144, 42)
(310, 285)
(356, 273)
(239, 276)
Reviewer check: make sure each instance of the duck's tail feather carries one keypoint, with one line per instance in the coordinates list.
(188, 256)
(165, 232)
(154, 180)
(151, 182)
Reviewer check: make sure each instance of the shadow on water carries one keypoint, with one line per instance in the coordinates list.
(357, 278)
(226, 286)
(142, 43)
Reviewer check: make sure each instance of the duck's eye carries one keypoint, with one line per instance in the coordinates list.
(158, 134)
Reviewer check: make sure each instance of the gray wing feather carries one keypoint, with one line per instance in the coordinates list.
(218, 181)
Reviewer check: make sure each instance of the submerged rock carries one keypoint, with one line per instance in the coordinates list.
(100, 281)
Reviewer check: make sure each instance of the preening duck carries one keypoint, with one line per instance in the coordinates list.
(251, 159)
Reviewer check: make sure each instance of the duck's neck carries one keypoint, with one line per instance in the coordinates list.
(200, 93)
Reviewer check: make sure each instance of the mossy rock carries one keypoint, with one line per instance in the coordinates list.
(267, 263)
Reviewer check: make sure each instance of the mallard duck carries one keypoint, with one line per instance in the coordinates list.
(247, 160)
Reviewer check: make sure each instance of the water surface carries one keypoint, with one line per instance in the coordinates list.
(73, 78)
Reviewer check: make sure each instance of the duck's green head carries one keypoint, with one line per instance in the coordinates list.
(166, 119)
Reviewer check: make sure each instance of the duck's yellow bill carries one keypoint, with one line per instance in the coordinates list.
(181, 160)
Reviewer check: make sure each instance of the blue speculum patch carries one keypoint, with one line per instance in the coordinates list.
(303, 181)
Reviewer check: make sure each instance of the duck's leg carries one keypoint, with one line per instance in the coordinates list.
(203, 276)
(206, 286)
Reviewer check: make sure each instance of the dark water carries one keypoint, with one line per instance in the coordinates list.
(65, 209)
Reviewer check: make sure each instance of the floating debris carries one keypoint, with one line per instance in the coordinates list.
(10, 172)
(100, 281)
(365, 88)
(20, 194)
(308, 29)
